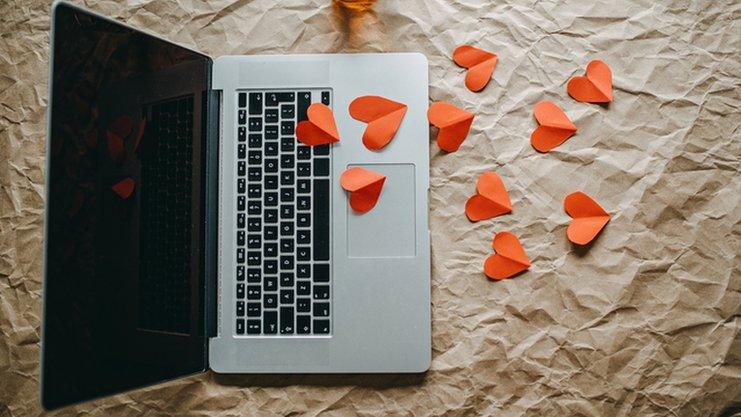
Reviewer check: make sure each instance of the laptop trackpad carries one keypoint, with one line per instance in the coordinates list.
(388, 230)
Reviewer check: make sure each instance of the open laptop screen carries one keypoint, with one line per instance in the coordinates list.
(124, 273)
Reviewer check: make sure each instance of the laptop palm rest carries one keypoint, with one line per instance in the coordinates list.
(388, 230)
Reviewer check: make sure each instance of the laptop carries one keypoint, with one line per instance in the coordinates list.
(187, 229)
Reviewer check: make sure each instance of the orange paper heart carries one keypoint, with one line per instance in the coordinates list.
(364, 187)
(510, 259)
(491, 199)
(555, 127)
(480, 65)
(454, 124)
(320, 129)
(124, 188)
(115, 146)
(121, 126)
(383, 117)
(596, 87)
(588, 217)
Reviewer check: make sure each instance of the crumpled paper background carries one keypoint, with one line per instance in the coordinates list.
(643, 323)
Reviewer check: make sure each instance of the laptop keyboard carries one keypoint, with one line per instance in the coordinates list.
(283, 218)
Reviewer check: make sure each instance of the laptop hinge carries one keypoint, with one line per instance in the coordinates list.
(213, 103)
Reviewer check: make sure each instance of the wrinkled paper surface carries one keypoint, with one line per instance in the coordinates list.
(643, 323)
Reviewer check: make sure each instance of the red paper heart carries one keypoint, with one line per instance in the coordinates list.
(320, 129)
(454, 124)
(480, 65)
(509, 260)
(124, 188)
(596, 87)
(491, 198)
(555, 127)
(115, 146)
(364, 187)
(383, 117)
(589, 218)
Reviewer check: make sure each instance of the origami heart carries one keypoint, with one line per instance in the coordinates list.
(510, 259)
(320, 129)
(121, 126)
(115, 146)
(364, 187)
(555, 127)
(491, 199)
(383, 117)
(454, 124)
(480, 65)
(588, 217)
(124, 188)
(596, 87)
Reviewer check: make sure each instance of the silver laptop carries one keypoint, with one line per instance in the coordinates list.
(187, 229)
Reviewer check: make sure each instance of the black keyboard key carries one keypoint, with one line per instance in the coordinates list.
(240, 290)
(241, 220)
(286, 195)
(303, 220)
(286, 279)
(286, 246)
(270, 233)
(271, 115)
(255, 103)
(240, 273)
(321, 167)
(286, 320)
(321, 292)
(240, 326)
(321, 220)
(286, 296)
(271, 216)
(303, 287)
(303, 203)
(303, 271)
(286, 212)
(303, 324)
(242, 99)
(271, 165)
(240, 255)
(255, 141)
(272, 99)
(271, 132)
(271, 199)
(325, 98)
(253, 275)
(271, 148)
(270, 326)
(240, 308)
(303, 152)
(303, 186)
(287, 144)
(286, 178)
(254, 258)
(287, 162)
(270, 250)
(303, 236)
(286, 128)
(321, 150)
(286, 228)
(242, 133)
(303, 305)
(286, 262)
(253, 310)
(321, 326)
(303, 101)
(242, 117)
(241, 151)
(303, 169)
(254, 190)
(270, 301)
(253, 326)
(255, 124)
(241, 168)
(270, 284)
(254, 174)
(271, 182)
(321, 273)
(270, 266)
(241, 185)
(321, 309)
(254, 207)
(255, 158)
(287, 111)
(240, 238)
(254, 293)
(303, 253)
(254, 241)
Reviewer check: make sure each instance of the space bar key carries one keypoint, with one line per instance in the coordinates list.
(320, 222)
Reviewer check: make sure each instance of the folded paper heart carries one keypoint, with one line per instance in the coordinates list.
(555, 127)
(364, 187)
(115, 146)
(320, 129)
(596, 87)
(588, 217)
(480, 65)
(124, 188)
(453, 123)
(491, 199)
(121, 126)
(509, 260)
(383, 117)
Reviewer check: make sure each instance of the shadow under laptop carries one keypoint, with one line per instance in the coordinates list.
(377, 381)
